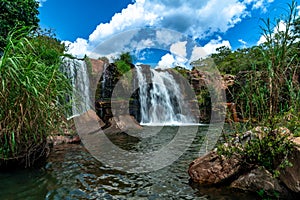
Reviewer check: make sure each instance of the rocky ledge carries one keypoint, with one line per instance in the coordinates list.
(213, 169)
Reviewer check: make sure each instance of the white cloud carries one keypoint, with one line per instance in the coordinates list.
(195, 18)
(135, 15)
(78, 48)
(166, 61)
(198, 52)
(211, 47)
(259, 4)
(179, 48)
(244, 43)
(280, 27)
(41, 2)
(261, 40)
(167, 37)
(169, 61)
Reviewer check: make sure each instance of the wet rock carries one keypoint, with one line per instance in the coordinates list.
(213, 169)
(123, 123)
(290, 176)
(259, 179)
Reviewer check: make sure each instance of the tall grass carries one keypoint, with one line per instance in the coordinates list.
(273, 90)
(32, 94)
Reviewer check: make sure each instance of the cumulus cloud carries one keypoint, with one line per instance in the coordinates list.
(195, 18)
(166, 61)
(78, 48)
(135, 15)
(280, 27)
(170, 60)
(179, 49)
(211, 47)
(259, 4)
(197, 53)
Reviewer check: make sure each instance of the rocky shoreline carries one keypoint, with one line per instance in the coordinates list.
(214, 169)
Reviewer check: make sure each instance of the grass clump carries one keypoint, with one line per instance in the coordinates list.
(32, 94)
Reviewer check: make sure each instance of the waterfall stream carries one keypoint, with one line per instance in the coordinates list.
(161, 99)
(76, 71)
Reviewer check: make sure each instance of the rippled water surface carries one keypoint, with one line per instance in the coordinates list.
(72, 173)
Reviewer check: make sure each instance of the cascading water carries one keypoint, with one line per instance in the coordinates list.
(161, 100)
(76, 71)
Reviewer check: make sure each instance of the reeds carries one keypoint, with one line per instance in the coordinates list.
(272, 90)
(32, 93)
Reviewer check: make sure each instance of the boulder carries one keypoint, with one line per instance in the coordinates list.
(127, 122)
(213, 169)
(259, 179)
(290, 176)
(122, 123)
(91, 115)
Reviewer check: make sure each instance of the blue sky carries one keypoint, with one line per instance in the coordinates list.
(84, 24)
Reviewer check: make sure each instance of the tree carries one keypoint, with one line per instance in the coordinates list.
(124, 62)
(16, 14)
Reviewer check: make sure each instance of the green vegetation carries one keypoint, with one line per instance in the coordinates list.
(268, 148)
(123, 63)
(88, 64)
(266, 92)
(15, 15)
(33, 90)
(267, 76)
(32, 93)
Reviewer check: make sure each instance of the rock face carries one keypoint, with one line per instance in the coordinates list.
(258, 179)
(290, 176)
(95, 75)
(213, 169)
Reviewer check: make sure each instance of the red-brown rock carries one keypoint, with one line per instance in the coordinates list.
(213, 169)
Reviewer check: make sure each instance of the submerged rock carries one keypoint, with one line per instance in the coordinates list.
(214, 169)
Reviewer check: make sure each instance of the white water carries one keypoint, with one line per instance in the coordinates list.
(76, 71)
(161, 104)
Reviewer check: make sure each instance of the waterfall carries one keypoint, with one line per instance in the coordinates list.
(161, 99)
(76, 71)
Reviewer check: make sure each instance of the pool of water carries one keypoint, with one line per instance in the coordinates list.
(71, 172)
